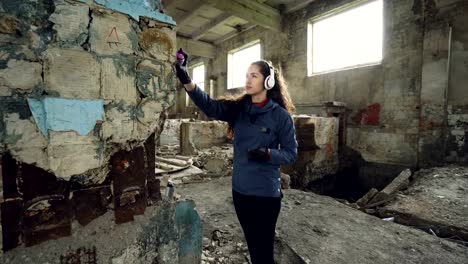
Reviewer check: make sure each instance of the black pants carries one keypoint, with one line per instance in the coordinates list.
(257, 216)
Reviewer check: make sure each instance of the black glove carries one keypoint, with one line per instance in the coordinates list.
(259, 154)
(181, 67)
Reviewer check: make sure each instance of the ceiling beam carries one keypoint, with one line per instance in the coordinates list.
(235, 33)
(196, 48)
(168, 3)
(210, 25)
(252, 11)
(193, 10)
(296, 5)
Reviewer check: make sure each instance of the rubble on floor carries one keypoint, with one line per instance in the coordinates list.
(436, 201)
(318, 229)
(167, 233)
(208, 163)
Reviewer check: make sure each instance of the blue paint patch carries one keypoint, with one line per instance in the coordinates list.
(60, 114)
(190, 230)
(135, 9)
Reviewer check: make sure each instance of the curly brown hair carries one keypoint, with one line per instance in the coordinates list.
(279, 94)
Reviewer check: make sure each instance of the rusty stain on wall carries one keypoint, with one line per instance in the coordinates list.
(155, 38)
(368, 116)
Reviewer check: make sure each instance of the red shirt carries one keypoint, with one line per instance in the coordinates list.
(262, 103)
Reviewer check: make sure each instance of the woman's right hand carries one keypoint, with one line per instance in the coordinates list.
(181, 66)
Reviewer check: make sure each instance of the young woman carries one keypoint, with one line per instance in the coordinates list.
(261, 125)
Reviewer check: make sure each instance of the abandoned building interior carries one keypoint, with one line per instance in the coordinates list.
(105, 159)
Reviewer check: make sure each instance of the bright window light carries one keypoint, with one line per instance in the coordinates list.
(238, 62)
(198, 78)
(349, 39)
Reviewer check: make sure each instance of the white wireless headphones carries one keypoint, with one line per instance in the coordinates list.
(270, 79)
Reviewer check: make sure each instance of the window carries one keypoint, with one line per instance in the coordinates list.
(238, 62)
(198, 78)
(349, 39)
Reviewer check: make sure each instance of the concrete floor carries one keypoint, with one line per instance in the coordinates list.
(318, 229)
(436, 200)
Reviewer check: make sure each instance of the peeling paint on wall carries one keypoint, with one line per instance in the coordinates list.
(60, 114)
(135, 9)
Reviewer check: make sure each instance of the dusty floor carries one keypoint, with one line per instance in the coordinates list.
(316, 229)
(436, 201)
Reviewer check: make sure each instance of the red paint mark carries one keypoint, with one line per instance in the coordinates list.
(329, 150)
(368, 116)
(115, 40)
(114, 29)
(425, 124)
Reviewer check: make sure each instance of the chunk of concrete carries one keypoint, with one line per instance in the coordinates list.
(71, 23)
(5, 91)
(217, 165)
(111, 33)
(367, 197)
(320, 224)
(200, 135)
(25, 141)
(285, 181)
(22, 133)
(436, 199)
(399, 183)
(118, 80)
(22, 76)
(71, 73)
(317, 139)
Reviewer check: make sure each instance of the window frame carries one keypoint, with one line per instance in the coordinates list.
(334, 12)
(231, 53)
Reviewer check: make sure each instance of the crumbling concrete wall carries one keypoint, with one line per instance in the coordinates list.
(171, 132)
(199, 135)
(95, 78)
(84, 91)
(444, 119)
(317, 151)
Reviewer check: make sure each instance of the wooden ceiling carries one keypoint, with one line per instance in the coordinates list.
(204, 24)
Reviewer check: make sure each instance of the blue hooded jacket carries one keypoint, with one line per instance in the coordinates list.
(269, 126)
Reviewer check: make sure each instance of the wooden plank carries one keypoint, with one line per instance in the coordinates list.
(210, 25)
(175, 162)
(193, 11)
(196, 48)
(234, 33)
(252, 11)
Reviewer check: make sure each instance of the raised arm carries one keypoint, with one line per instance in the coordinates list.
(212, 108)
